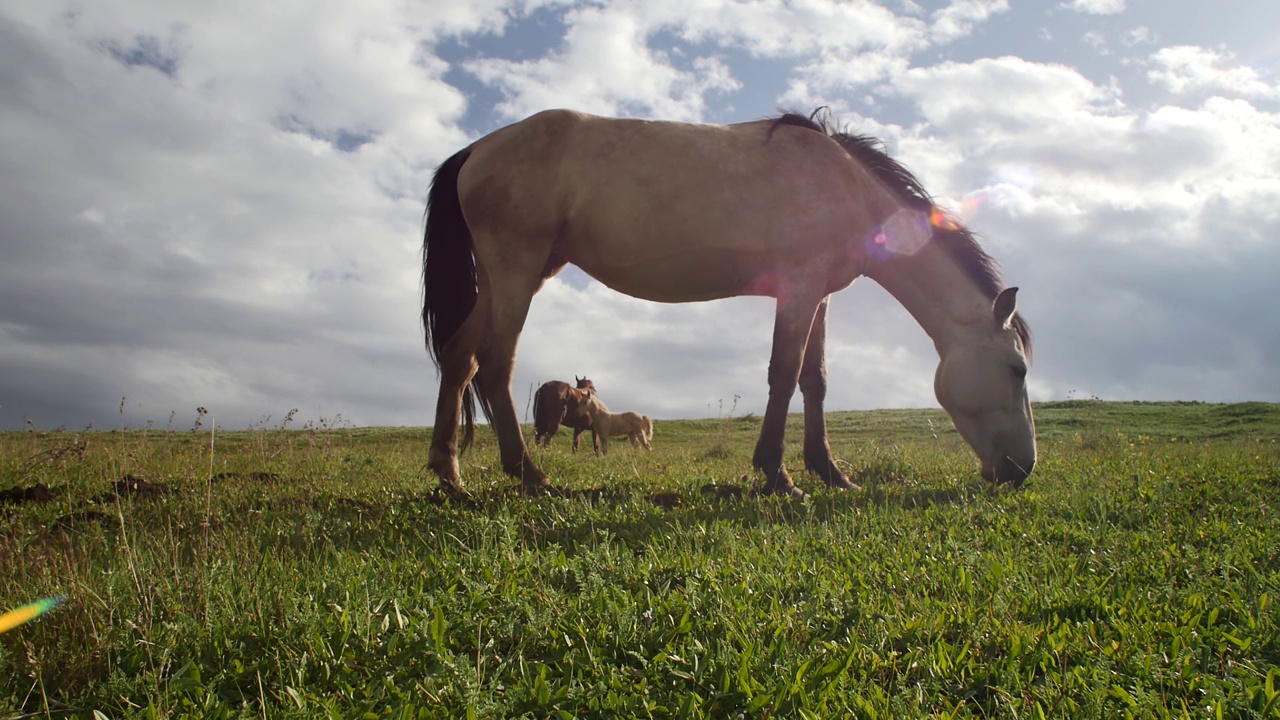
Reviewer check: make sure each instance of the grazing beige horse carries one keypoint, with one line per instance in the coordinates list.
(789, 208)
(605, 424)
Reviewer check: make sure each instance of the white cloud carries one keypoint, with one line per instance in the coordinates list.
(607, 67)
(960, 17)
(772, 28)
(1097, 41)
(1096, 7)
(185, 221)
(1008, 93)
(609, 61)
(1044, 139)
(1188, 69)
(827, 80)
(1140, 35)
(220, 204)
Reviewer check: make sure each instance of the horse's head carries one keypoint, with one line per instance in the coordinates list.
(584, 383)
(588, 403)
(982, 384)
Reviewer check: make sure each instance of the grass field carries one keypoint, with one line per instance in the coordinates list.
(311, 573)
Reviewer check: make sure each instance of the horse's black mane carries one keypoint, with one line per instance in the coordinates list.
(956, 238)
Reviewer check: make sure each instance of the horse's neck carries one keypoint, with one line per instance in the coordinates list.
(937, 292)
(599, 411)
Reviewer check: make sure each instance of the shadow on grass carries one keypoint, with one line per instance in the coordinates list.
(412, 522)
(581, 517)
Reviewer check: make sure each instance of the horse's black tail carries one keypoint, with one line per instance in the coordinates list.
(448, 274)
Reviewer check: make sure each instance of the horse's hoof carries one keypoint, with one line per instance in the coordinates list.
(449, 492)
(788, 490)
(529, 476)
(541, 489)
(840, 482)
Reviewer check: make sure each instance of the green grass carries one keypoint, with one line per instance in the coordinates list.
(1137, 575)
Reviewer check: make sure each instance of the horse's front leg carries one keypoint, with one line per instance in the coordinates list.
(813, 387)
(494, 379)
(792, 324)
(577, 434)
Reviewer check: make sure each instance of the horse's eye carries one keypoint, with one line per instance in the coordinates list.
(1019, 371)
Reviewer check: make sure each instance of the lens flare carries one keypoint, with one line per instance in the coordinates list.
(956, 219)
(904, 233)
(907, 231)
(31, 611)
(943, 220)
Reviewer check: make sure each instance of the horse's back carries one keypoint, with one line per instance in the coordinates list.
(670, 211)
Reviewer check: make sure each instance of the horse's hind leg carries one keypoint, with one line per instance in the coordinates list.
(457, 367)
(813, 386)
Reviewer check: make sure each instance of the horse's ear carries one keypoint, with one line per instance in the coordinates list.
(577, 379)
(1006, 303)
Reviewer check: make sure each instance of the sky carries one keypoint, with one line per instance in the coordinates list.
(220, 205)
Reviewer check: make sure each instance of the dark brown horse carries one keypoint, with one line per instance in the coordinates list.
(555, 404)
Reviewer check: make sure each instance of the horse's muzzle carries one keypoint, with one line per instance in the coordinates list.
(1008, 472)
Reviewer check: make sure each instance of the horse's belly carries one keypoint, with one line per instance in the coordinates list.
(690, 275)
(692, 271)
